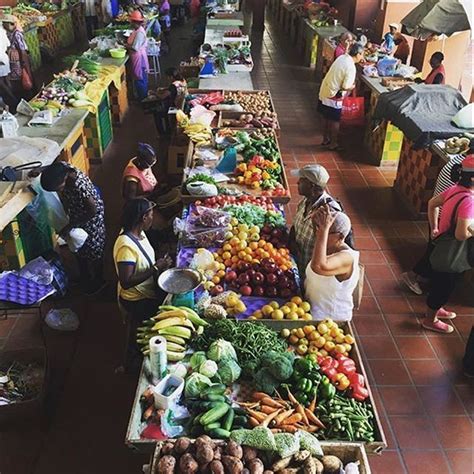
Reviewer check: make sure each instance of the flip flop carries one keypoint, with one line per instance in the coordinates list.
(437, 326)
(444, 314)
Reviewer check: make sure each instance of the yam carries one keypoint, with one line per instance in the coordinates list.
(282, 464)
(166, 465)
(234, 449)
(166, 448)
(249, 453)
(203, 439)
(182, 445)
(216, 467)
(232, 465)
(312, 466)
(256, 466)
(204, 454)
(188, 465)
(331, 464)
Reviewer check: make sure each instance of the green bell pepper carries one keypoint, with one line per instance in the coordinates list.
(302, 398)
(327, 389)
(304, 385)
(303, 366)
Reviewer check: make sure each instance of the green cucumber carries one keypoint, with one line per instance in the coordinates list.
(240, 420)
(216, 389)
(219, 433)
(213, 397)
(215, 413)
(240, 412)
(212, 426)
(228, 420)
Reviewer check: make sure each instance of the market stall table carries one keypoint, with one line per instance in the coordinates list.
(232, 81)
(384, 143)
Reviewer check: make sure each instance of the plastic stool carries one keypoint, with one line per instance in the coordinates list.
(154, 69)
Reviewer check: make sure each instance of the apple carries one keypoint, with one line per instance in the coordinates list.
(245, 290)
(271, 279)
(216, 290)
(285, 293)
(283, 283)
(244, 266)
(230, 276)
(258, 291)
(271, 292)
(258, 278)
(277, 233)
(243, 279)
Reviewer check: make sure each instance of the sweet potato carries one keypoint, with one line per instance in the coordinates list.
(188, 465)
(255, 466)
(232, 465)
(166, 465)
(182, 445)
(234, 449)
(204, 454)
(249, 453)
(167, 448)
(216, 467)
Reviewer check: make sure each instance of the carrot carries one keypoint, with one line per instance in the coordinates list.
(270, 417)
(257, 415)
(301, 411)
(249, 404)
(312, 405)
(291, 397)
(291, 420)
(276, 430)
(259, 395)
(311, 428)
(283, 416)
(253, 422)
(271, 403)
(268, 410)
(290, 428)
(314, 419)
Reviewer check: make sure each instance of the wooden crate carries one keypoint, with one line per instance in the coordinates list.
(346, 452)
(272, 105)
(224, 115)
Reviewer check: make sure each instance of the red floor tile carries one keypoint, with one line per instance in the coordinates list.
(427, 372)
(368, 305)
(454, 432)
(404, 324)
(441, 401)
(464, 325)
(414, 347)
(370, 325)
(414, 432)
(394, 304)
(382, 288)
(425, 461)
(465, 394)
(379, 347)
(389, 372)
(379, 272)
(447, 347)
(388, 462)
(401, 400)
(461, 461)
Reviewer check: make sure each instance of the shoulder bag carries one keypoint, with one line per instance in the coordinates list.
(449, 254)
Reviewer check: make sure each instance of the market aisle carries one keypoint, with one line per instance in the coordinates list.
(425, 402)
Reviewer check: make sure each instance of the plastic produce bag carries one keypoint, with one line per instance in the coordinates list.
(62, 319)
(200, 114)
(465, 117)
(173, 420)
(200, 188)
(39, 271)
(202, 259)
(387, 66)
(76, 239)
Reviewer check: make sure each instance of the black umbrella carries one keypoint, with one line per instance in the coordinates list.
(437, 17)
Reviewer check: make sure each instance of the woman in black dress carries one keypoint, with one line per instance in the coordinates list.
(85, 209)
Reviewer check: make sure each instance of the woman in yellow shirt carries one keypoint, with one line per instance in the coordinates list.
(137, 270)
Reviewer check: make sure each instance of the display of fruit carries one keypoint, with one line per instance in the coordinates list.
(235, 33)
(176, 325)
(320, 338)
(293, 310)
(223, 200)
(227, 303)
(263, 279)
(259, 120)
(212, 270)
(278, 236)
(258, 173)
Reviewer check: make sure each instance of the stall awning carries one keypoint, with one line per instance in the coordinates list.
(438, 17)
(422, 112)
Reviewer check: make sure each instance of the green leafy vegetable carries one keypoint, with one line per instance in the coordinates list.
(229, 371)
(195, 384)
(221, 349)
(197, 359)
(208, 368)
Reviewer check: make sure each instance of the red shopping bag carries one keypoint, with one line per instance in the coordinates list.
(353, 111)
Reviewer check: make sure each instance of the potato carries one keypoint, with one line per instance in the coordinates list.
(249, 453)
(312, 466)
(187, 464)
(282, 464)
(216, 467)
(167, 448)
(204, 454)
(218, 453)
(332, 464)
(203, 439)
(232, 465)
(256, 466)
(182, 445)
(166, 465)
(234, 449)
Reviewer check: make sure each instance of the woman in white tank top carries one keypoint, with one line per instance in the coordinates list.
(333, 273)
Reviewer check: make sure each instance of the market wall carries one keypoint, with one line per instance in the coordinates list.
(357, 13)
(392, 12)
(8, 3)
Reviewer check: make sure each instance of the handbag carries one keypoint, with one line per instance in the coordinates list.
(26, 81)
(449, 254)
(353, 110)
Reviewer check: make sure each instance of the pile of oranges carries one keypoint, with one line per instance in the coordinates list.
(246, 246)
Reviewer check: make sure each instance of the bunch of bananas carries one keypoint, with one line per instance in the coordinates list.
(200, 134)
(457, 145)
(176, 325)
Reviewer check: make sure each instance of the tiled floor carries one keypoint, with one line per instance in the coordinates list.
(425, 402)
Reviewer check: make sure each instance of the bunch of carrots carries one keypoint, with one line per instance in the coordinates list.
(282, 415)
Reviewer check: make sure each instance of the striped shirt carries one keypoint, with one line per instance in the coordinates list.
(444, 180)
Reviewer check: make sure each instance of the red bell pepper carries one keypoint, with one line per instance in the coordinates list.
(347, 366)
(357, 379)
(359, 392)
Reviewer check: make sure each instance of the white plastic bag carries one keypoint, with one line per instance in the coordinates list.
(200, 114)
(465, 117)
(76, 239)
(62, 319)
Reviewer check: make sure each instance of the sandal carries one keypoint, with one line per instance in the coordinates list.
(437, 326)
(444, 314)
(411, 284)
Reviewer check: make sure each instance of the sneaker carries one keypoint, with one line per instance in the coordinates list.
(444, 314)
(411, 284)
(437, 326)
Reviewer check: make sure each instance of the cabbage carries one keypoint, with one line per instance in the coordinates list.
(197, 359)
(221, 349)
(229, 371)
(195, 384)
(179, 370)
(208, 368)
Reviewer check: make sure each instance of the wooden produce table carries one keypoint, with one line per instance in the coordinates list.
(68, 132)
(384, 144)
(33, 42)
(417, 173)
(233, 81)
(313, 37)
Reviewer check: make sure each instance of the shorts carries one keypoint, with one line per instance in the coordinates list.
(329, 113)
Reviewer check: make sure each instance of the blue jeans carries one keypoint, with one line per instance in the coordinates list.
(141, 86)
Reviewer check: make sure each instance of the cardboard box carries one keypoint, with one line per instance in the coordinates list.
(179, 156)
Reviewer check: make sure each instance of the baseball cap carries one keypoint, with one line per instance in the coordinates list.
(393, 25)
(341, 224)
(316, 174)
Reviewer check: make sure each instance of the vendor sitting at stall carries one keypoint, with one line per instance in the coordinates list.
(402, 50)
(438, 73)
(137, 49)
(345, 41)
(333, 273)
(388, 43)
(137, 270)
(312, 185)
(339, 80)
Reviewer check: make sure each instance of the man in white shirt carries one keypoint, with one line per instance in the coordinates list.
(339, 80)
(5, 85)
